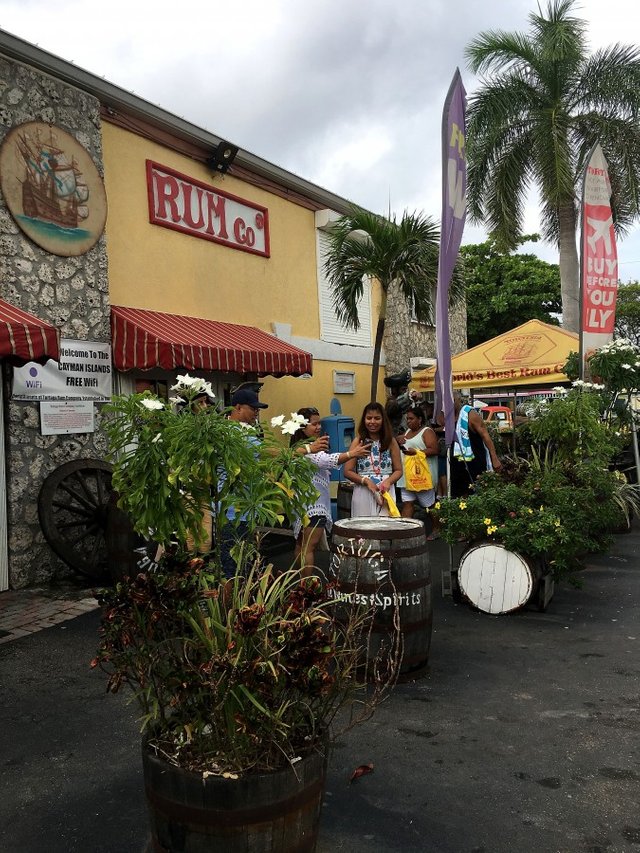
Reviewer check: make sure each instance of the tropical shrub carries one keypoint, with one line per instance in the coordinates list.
(551, 509)
(174, 463)
(233, 678)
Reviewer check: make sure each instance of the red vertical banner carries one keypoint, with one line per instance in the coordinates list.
(599, 267)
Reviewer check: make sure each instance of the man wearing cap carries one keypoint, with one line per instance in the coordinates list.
(245, 405)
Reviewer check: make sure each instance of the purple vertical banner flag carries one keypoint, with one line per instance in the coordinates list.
(454, 210)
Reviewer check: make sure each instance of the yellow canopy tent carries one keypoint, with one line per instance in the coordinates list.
(531, 354)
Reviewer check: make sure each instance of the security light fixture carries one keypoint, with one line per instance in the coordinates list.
(222, 157)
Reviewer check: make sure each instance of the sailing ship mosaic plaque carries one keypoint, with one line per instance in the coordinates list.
(52, 188)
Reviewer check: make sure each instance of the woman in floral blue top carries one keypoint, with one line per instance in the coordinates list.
(379, 468)
(319, 513)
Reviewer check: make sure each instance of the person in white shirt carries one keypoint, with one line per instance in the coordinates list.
(308, 537)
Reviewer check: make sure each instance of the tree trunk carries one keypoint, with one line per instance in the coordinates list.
(375, 364)
(377, 346)
(569, 269)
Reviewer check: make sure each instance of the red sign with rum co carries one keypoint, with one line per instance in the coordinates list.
(184, 204)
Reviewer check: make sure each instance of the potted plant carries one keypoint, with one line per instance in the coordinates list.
(240, 682)
(559, 503)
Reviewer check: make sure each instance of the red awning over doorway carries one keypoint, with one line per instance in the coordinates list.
(144, 339)
(25, 336)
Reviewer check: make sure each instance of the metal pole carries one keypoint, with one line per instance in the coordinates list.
(634, 433)
(449, 590)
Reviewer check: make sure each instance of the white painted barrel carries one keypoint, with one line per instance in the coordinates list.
(496, 580)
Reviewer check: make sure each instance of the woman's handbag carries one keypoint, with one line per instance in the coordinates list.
(417, 476)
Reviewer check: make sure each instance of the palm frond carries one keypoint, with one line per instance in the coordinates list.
(559, 37)
(494, 50)
(363, 244)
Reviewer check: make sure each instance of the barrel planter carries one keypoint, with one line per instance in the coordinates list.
(343, 499)
(277, 811)
(127, 552)
(384, 563)
(499, 581)
(121, 542)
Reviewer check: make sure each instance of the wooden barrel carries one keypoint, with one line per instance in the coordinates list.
(122, 542)
(383, 562)
(278, 811)
(343, 498)
(499, 581)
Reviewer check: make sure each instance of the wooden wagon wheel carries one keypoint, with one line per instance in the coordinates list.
(73, 509)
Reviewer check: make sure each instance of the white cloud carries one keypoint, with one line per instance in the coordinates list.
(347, 94)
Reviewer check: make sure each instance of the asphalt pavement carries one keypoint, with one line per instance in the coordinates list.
(523, 735)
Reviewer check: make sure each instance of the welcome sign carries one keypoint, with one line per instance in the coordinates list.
(84, 372)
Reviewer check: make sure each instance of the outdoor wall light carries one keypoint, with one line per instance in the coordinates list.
(222, 157)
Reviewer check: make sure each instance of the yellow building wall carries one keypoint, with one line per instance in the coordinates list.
(290, 393)
(164, 270)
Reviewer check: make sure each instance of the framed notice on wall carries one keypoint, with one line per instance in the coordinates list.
(344, 382)
(64, 418)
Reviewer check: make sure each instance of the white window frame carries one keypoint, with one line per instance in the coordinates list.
(331, 329)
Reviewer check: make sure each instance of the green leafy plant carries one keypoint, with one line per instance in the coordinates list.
(617, 366)
(574, 425)
(175, 464)
(232, 678)
(548, 508)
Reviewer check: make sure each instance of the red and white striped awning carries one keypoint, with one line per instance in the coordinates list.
(144, 339)
(25, 336)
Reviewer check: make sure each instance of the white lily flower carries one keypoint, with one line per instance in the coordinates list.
(183, 381)
(152, 404)
(277, 421)
(290, 427)
(157, 439)
(299, 419)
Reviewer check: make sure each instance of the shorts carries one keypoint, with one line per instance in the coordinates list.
(426, 498)
(317, 521)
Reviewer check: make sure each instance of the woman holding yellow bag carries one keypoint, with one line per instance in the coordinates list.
(419, 439)
(375, 473)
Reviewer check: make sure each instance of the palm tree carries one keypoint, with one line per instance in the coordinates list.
(363, 245)
(534, 121)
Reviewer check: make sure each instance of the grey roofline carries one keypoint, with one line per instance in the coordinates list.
(119, 99)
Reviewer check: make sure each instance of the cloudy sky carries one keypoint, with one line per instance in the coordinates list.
(345, 93)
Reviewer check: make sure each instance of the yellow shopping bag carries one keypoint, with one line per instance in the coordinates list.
(417, 476)
(394, 512)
